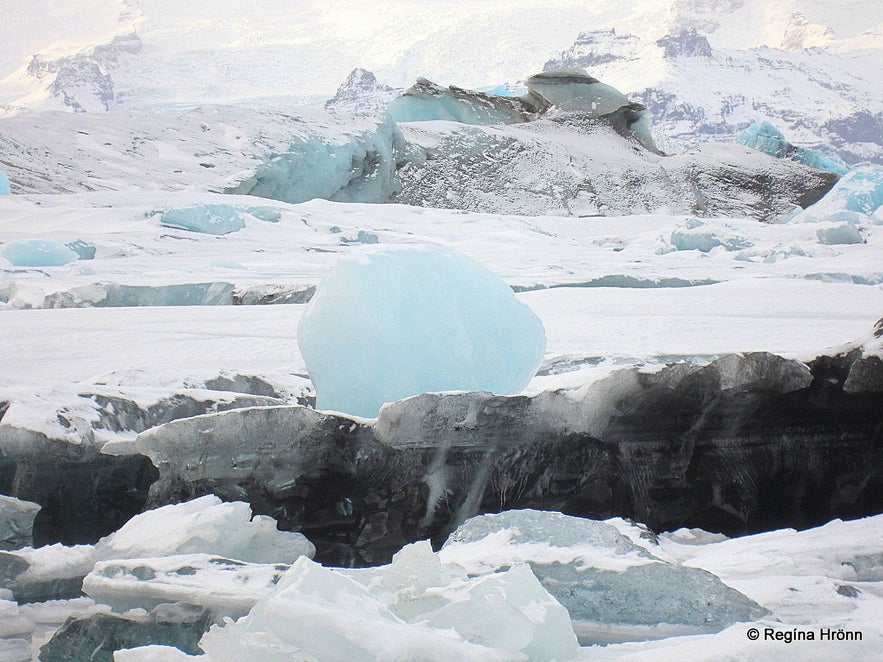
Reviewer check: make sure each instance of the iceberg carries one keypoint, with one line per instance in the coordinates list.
(704, 236)
(388, 323)
(38, 253)
(426, 101)
(843, 233)
(207, 219)
(4, 184)
(766, 138)
(600, 574)
(204, 525)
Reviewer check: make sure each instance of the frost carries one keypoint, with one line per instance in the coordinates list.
(207, 219)
(390, 323)
(39, 253)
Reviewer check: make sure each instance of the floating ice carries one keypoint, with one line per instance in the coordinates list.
(844, 233)
(766, 138)
(318, 613)
(207, 219)
(16, 521)
(38, 253)
(600, 575)
(4, 184)
(389, 323)
(208, 526)
(696, 234)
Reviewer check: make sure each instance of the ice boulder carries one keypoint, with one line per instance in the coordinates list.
(391, 322)
(602, 576)
(207, 219)
(705, 235)
(766, 138)
(39, 253)
(842, 233)
(4, 184)
(204, 525)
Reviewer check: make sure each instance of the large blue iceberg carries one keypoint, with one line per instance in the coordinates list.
(391, 322)
(38, 253)
(766, 138)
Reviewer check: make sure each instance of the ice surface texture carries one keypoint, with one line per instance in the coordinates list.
(598, 573)
(765, 137)
(39, 253)
(388, 323)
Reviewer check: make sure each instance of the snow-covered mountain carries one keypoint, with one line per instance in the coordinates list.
(706, 68)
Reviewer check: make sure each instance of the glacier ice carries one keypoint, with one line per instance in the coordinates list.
(425, 101)
(207, 219)
(4, 184)
(766, 138)
(16, 521)
(573, 89)
(391, 322)
(38, 253)
(705, 235)
(861, 190)
(599, 574)
(320, 613)
(842, 233)
(204, 525)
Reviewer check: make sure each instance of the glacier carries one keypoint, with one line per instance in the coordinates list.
(391, 322)
(765, 137)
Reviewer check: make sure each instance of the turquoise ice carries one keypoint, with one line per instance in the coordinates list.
(38, 253)
(391, 322)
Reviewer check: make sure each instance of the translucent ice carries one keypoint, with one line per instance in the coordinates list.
(696, 234)
(599, 574)
(766, 138)
(207, 219)
(388, 323)
(318, 613)
(573, 89)
(427, 101)
(38, 253)
(4, 184)
(204, 525)
(843, 233)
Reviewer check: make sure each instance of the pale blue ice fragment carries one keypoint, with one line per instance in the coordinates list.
(426, 101)
(704, 236)
(844, 233)
(207, 219)
(766, 138)
(859, 191)
(39, 253)
(264, 213)
(4, 184)
(391, 322)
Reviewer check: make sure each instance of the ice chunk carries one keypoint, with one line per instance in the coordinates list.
(154, 654)
(601, 576)
(573, 89)
(38, 253)
(265, 213)
(766, 138)
(696, 234)
(388, 323)
(859, 191)
(97, 636)
(317, 613)
(844, 233)
(227, 587)
(13, 624)
(207, 219)
(16, 521)
(4, 184)
(46, 573)
(204, 525)
(84, 249)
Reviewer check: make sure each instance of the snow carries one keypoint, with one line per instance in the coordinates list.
(388, 323)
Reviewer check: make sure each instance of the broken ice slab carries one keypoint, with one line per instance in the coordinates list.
(95, 637)
(16, 522)
(204, 525)
(611, 586)
(319, 613)
(38, 253)
(225, 586)
(46, 573)
(206, 219)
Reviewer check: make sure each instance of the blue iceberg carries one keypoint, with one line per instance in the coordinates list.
(766, 138)
(39, 253)
(4, 184)
(858, 195)
(207, 219)
(391, 322)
